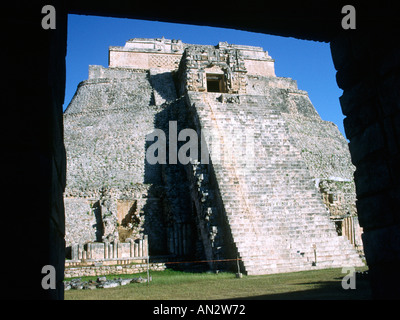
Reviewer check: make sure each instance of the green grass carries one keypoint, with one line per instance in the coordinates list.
(170, 285)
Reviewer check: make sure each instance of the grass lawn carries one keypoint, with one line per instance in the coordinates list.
(170, 285)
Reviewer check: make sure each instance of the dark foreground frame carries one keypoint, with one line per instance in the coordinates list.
(368, 70)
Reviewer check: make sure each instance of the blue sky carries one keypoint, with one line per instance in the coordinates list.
(308, 62)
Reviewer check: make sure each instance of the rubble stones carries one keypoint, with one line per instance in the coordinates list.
(101, 283)
(102, 271)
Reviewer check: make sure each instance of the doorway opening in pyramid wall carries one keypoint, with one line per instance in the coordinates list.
(215, 83)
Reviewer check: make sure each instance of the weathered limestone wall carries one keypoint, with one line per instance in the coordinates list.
(325, 152)
(263, 84)
(112, 191)
(140, 53)
(112, 144)
(257, 61)
(130, 89)
(147, 53)
(80, 222)
(323, 148)
(105, 128)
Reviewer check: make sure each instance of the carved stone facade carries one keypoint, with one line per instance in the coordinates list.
(340, 199)
(147, 53)
(210, 69)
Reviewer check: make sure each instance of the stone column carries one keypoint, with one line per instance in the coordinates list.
(368, 70)
(131, 248)
(136, 249)
(80, 251)
(111, 251)
(89, 251)
(145, 245)
(74, 252)
(140, 248)
(106, 244)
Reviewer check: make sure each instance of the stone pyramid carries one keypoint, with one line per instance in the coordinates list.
(276, 189)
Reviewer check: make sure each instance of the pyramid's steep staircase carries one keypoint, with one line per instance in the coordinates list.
(275, 214)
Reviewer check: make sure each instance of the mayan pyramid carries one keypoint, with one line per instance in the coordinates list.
(275, 188)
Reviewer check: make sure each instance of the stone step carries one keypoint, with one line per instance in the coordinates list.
(273, 209)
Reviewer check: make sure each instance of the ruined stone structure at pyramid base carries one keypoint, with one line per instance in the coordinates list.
(276, 188)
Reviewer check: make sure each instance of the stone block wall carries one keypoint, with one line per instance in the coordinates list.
(112, 192)
(74, 272)
(115, 148)
(322, 146)
(147, 53)
(80, 221)
(262, 85)
(105, 128)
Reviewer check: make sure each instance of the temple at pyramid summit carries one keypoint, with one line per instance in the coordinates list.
(245, 166)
